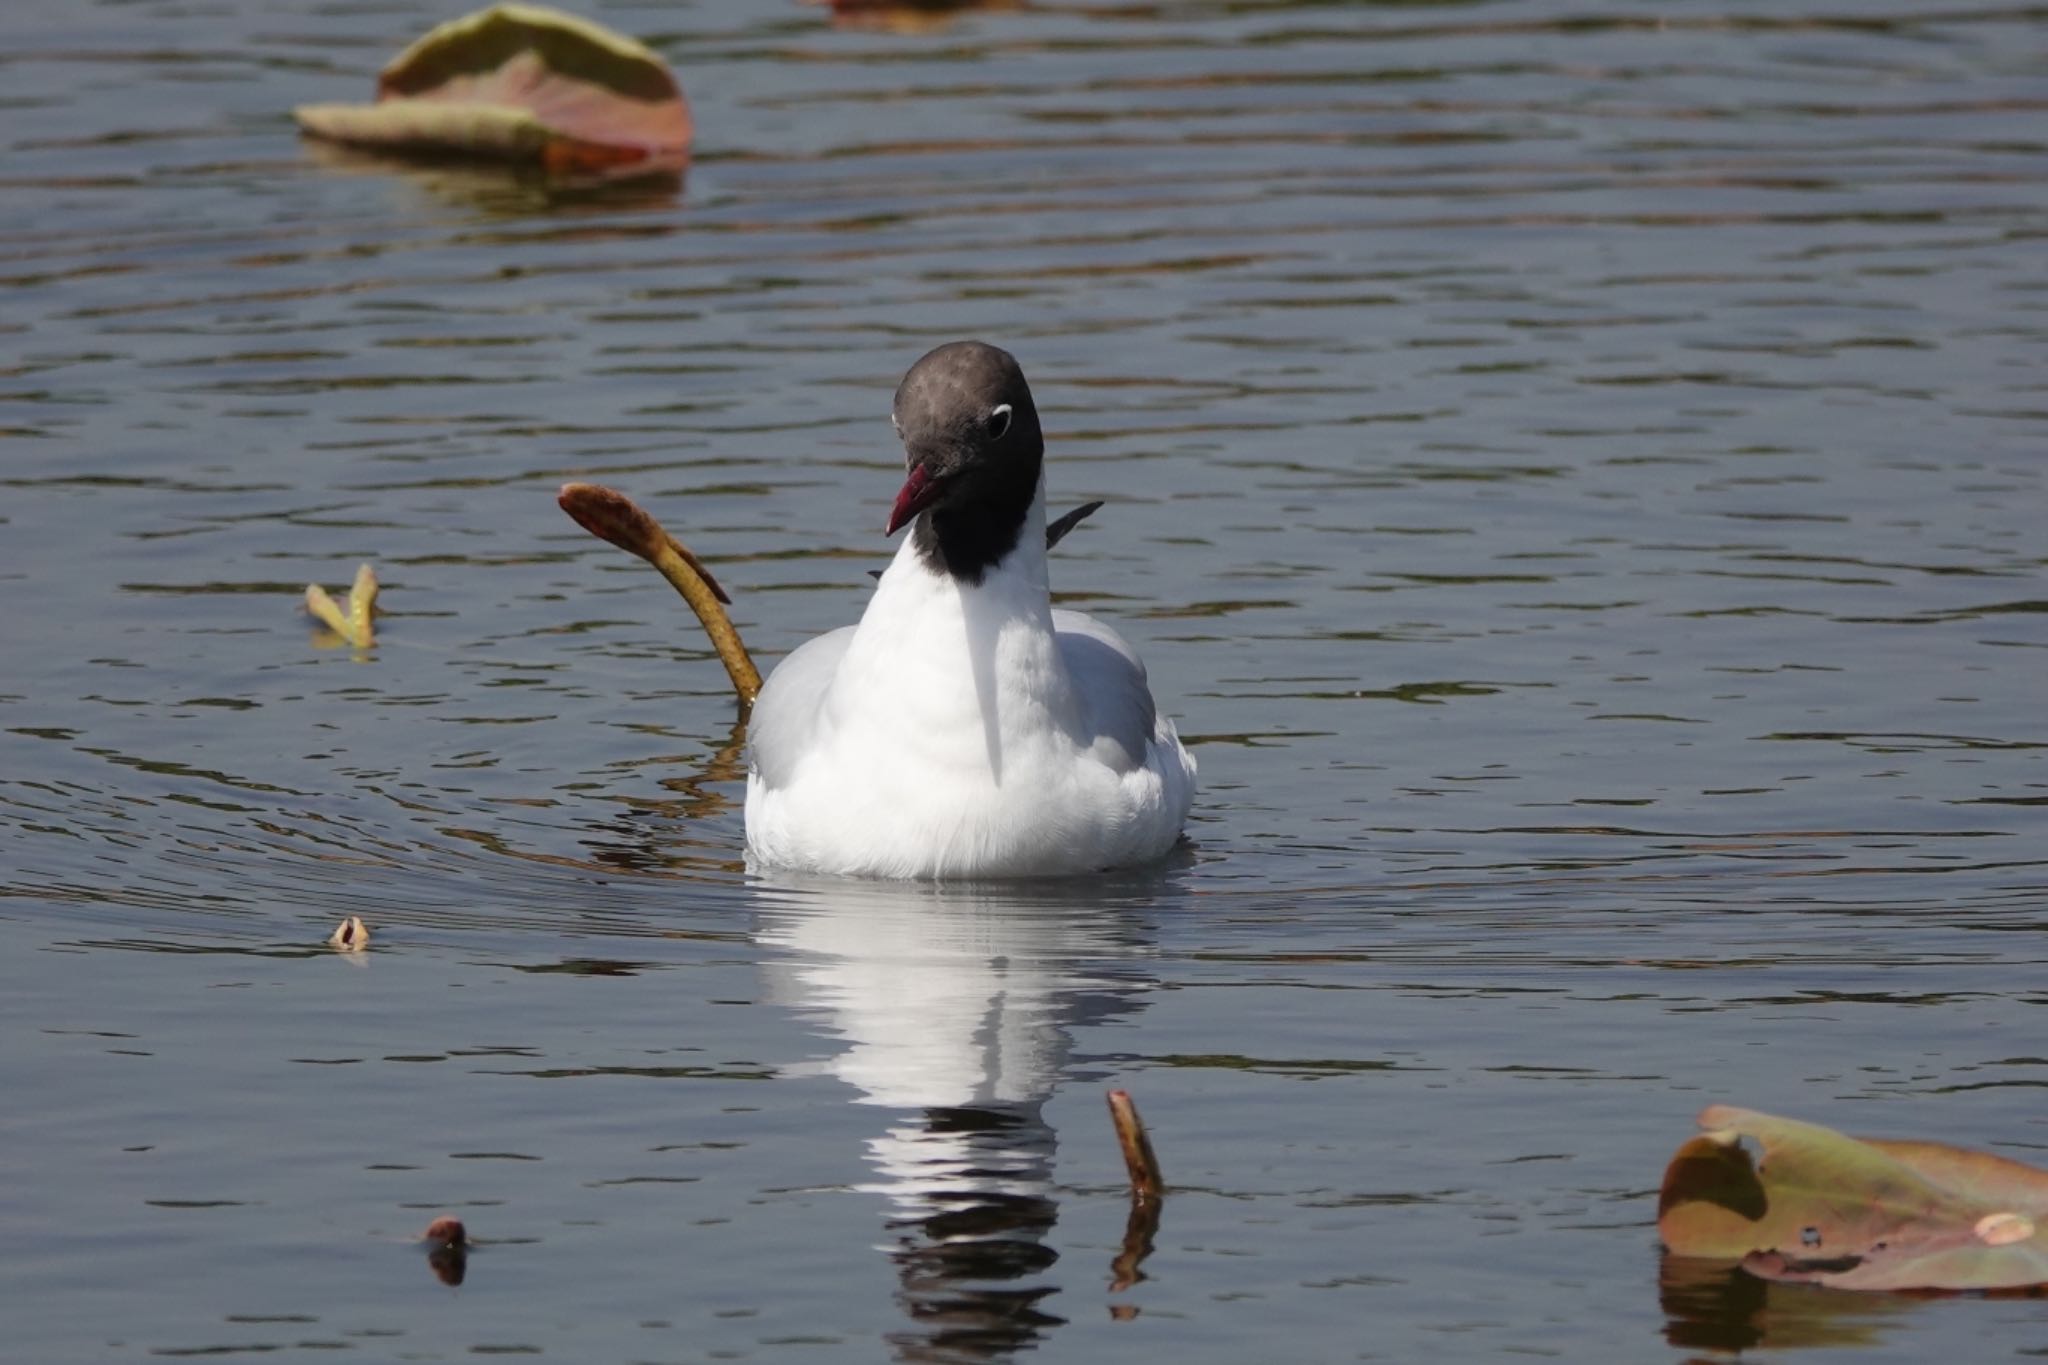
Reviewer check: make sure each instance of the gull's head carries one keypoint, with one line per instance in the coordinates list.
(971, 441)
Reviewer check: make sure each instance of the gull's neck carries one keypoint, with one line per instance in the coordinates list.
(941, 552)
(968, 537)
(975, 655)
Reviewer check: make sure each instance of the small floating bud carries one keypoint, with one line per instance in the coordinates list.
(354, 623)
(447, 1243)
(362, 596)
(446, 1230)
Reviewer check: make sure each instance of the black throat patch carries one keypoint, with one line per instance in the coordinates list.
(978, 523)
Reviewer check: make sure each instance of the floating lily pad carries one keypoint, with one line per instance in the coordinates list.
(521, 83)
(1819, 1207)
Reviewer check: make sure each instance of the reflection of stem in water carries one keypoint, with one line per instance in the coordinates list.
(701, 800)
(952, 1011)
(1141, 1229)
(651, 838)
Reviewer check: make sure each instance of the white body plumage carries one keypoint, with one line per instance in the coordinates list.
(964, 729)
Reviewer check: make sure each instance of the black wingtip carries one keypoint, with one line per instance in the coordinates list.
(1055, 532)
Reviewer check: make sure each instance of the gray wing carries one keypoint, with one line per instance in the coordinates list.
(779, 730)
(1116, 701)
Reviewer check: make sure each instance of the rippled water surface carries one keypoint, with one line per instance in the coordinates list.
(1575, 471)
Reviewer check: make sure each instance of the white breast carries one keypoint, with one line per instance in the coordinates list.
(961, 731)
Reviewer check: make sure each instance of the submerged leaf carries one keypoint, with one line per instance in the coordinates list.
(525, 83)
(1819, 1207)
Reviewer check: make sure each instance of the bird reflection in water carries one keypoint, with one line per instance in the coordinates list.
(957, 1012)
(970, 1208)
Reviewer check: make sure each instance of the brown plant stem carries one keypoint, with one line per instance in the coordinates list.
(1139, 1159)
(612, 516)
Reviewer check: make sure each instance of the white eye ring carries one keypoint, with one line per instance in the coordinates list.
(998, 421)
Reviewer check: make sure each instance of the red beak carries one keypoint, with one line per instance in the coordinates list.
(920, 490)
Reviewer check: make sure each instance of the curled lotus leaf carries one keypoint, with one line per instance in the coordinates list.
(520, 83)
(1815, 1206)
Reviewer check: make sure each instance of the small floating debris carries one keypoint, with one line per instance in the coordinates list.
(521, 83)
(447, 1230)
(447, 1243)
(353, 937)
(354, 624)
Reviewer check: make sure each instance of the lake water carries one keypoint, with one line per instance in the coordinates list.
(1575, 471)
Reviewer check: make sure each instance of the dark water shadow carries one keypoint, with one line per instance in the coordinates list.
(508, 188)
(1717, 1306)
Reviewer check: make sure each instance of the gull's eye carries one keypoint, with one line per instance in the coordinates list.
(998, 420)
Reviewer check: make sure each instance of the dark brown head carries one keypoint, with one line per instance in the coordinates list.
(973, 447)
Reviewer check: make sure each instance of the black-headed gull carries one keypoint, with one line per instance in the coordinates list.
(964, 728)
